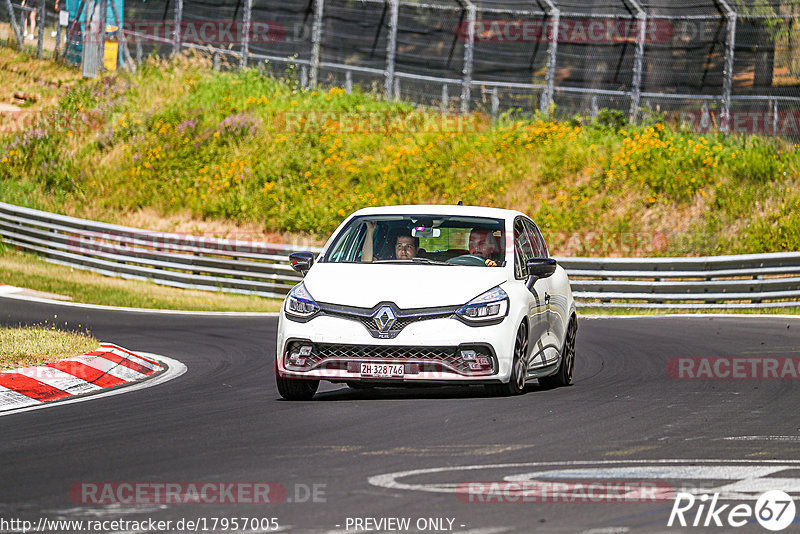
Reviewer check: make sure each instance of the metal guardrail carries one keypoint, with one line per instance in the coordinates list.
(171, 259)
(186, 261)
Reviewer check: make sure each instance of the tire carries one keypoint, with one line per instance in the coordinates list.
(293, 389)
(563, 377)
(519, 368)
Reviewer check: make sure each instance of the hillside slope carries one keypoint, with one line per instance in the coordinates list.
(242, 152)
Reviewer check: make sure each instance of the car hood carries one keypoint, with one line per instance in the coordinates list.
(408, 286)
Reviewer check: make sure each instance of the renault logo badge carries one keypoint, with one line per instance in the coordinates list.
(385, 318)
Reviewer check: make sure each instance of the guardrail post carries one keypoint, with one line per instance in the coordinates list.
(727, 72)
(391, 50)
(552, 48)
(177, 36)
(14, 24)
(469, 54)
(248, 13)
(636, 82)
(316, 40)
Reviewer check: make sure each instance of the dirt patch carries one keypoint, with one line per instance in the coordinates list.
(185, 223)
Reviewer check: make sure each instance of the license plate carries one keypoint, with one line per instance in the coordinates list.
(382, 369)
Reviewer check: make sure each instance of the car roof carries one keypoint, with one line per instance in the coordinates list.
(439, 209)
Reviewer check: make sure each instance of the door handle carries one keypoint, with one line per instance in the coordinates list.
(546, 298)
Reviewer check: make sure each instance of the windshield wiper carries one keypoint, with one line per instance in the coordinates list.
(428, 260)
(415, 260)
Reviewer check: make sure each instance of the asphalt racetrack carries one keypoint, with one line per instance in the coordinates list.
(351, 460)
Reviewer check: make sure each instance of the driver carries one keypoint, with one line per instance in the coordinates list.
(484, 244)
(406, 247)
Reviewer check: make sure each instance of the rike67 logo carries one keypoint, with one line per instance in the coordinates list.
(774, 510)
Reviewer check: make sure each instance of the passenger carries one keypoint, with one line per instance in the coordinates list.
(484, 244)
(405, 245)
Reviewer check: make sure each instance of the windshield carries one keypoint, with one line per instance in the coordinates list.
(421, 239)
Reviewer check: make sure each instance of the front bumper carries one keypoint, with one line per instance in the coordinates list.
(429, 351)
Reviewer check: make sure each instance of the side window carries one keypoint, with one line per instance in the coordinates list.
(523, 249)
(348, 245)
(539, 246)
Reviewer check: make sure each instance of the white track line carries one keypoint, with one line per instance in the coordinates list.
(135, 310)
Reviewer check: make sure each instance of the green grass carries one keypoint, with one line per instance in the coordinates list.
(22, 347)
(588, 310)
(31, 272)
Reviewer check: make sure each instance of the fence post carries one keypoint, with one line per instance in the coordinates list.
(391, 49)
(727, 73)
(445, 99)
(101, 54)
(348, 82)
(177, 37)
(469, 54)
(495, 103)
(42, 9)
(14, 24)
(552, 47)
(636, 82)
(316, 38)
(248, 14)
(775, 118)
(58, 38)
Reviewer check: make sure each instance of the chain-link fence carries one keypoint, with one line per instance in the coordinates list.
(729, 65)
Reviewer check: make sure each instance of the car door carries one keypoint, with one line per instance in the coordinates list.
(537, 309)
(555, 297)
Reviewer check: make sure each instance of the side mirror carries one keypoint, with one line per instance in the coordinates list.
(301, 261)
(540, 268)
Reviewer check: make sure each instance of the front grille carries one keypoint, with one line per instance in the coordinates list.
(403, 317)
(418, 359)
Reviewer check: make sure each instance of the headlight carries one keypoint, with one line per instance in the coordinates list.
(489, 306)
(299, 303)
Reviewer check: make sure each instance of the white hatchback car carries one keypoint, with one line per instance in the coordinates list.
(403, 295)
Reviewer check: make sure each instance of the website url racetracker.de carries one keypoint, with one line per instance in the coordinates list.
(195, 524)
